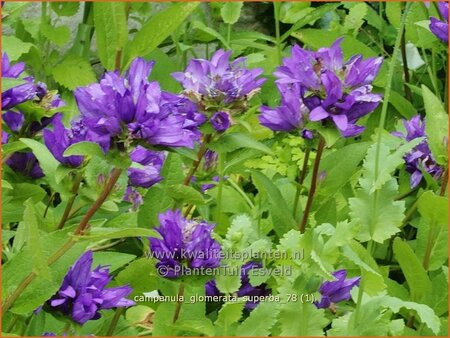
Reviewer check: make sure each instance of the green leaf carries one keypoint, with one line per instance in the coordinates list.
(230, 142)
(111, 31)
(65, 8)
(394, 13)
(84, 148)
(210, 31)
(228, 280)
(186, 194)
(12, 147)
(317, 14)
(339, 167)
(402, 105)
(8, 83)
(59, 35)
(282, 217)
(231, 11)
(34, 244)
(228, 316)
(156, 30)
(416, 276)
(96, 234)
(73, 72)
(157, 198)
(436, 126)
(291, 12)
(424, 312)
(301, 319)
(114, 260)
(432, 231)
(14, 47)
(355, 18)
(260, 320)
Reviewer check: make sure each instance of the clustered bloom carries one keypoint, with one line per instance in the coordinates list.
(220, 121)
(184, 243)
(83, 294)
(246, 289)
(337, 290)
(147, 171)
(440, 27)
(132, 107)
(420, 158)
(15, 121)
(320, 86)
(219, 83)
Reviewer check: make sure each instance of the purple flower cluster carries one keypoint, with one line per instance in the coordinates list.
(440, 27)
(420, 158)
(220, 87)
(246, 289)
(219, 82)
(83, 294)
(184, 242)
(15, 121)
(133, 108)
(319, 86)
(337, 290)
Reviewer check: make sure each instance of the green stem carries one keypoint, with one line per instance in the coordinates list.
(301, 178)
(312, 188)
(200, 154)
(220, 163)
(114, 322)
(180, 294)
(68, 209)
(229, 34)
(276, 12)
(241, 192)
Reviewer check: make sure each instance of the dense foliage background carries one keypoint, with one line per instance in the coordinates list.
(365, 217)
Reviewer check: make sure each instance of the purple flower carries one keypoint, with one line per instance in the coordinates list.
(184, 242)
(25, 164)
(83, 294)
(58, 140)
(420, 157)
(332, 91)
(148, 171)
(133, 196)
(208, 186)
(289, 116)
(337, 290)
(220, 121)
(18, 94)
(246, 289)
(217, 81)
(137, 107)
(440, 27)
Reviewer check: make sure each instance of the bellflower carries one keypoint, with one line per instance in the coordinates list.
(328, 89)
(137, 107)
(148, 173)
(440, 27)
(220, 121)
(210, 159)
(18, 94)
(420, 157)
(246, 289)
(290, 115)
(83, 295)
(219, 82)
(184, 242)
(58, 140)
(337, 290)
(25, 164)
